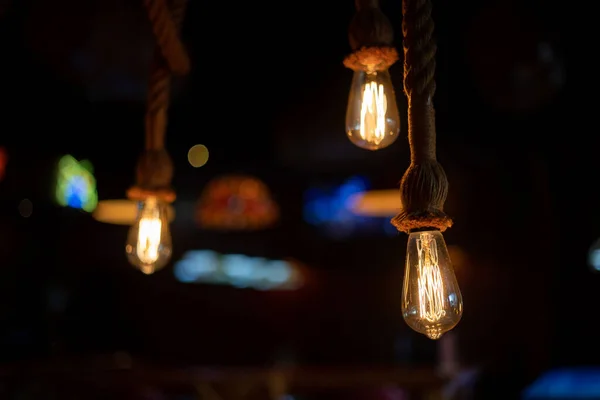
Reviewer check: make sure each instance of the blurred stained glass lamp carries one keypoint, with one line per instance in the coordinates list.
(236, 203)
(75, 184)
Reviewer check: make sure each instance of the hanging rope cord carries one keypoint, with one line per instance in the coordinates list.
(170, 57)
(424, 186)
(419, 77)
(154, 171)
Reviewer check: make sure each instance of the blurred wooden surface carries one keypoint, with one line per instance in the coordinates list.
(119, 374)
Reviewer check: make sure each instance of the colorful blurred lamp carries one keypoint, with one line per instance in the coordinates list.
(76, 185)
(236, 202)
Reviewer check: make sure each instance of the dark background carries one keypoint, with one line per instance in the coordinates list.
(267, 95)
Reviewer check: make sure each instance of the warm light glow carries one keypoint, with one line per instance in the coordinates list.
(372, 118)
(236, 203)
(431, 298)
(198, 155)
(376, 203)
(149, 242)
(122, 212)
(429, 278)
(372, 113)
(149, 237)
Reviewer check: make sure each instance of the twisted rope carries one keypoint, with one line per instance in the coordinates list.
(424, 186)
(419, 49)
(166, 30)
(154, 170)
(159, 86)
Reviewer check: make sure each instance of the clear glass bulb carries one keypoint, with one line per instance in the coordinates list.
(431, 299)
(372, 118)
(149, 244)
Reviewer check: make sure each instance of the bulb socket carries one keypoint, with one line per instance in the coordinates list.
(423, 229)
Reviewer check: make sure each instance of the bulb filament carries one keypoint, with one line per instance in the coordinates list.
(430, 283)
(148, 241)
(372, 113)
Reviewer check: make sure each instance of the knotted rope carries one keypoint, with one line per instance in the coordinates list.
(424, 186)
(155, 168)
(371, 38)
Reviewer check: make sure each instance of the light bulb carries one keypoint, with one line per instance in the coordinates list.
(372, 118)
(149, 245)
(431, 300)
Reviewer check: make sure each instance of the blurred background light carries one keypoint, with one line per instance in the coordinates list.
(198, 155)
(237, 270)
(236, 203)
(76, 185)
(565, 384)
(121, 211)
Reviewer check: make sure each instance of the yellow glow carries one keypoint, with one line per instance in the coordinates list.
(149, 241)
(122, 212)
(372, 113)
(198, 155)
(431, 298)
(431, 288)
(372, 117)
(149, 237)
(376, 203)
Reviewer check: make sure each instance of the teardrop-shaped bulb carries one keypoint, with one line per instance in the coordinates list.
(372, 117)
(431, 299)
(149, 246)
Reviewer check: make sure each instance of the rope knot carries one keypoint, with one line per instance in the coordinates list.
(371, 38)
(423, 191)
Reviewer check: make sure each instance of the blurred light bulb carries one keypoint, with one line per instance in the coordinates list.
(149, 245)
(431, 299)
(372, 118)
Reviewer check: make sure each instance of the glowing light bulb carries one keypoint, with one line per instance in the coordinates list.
(431, 299)
(149, 245)
(372, 118)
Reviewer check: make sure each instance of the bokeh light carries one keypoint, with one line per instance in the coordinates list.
(76, 185)
(594, 256)
(198, 155)
(237, 203)
(122, 212)
(25, 208)
(237, 270)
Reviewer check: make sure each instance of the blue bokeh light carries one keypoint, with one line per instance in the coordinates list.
(237, 270)
(331, 210)
(567, 383)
